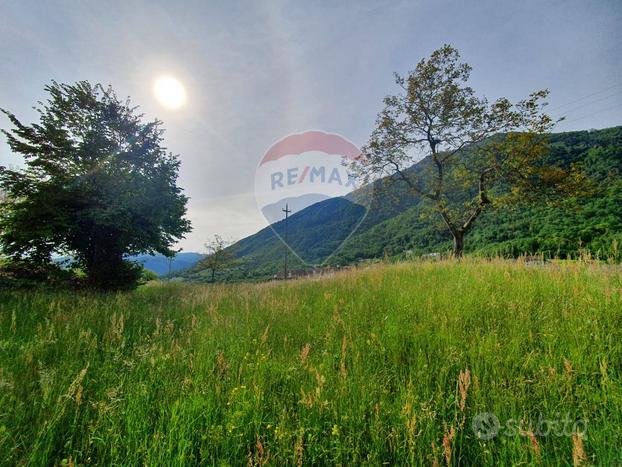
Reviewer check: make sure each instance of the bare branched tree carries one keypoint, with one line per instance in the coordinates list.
(463, 144)
(220, 256)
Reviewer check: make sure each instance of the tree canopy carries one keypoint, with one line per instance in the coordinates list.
(467, 144)
(97, 185)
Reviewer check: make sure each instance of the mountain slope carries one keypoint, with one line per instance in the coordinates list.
(397, 222)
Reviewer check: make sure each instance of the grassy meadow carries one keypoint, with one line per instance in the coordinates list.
(390, 364)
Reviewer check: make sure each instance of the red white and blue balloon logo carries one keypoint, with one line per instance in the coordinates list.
(306, 174)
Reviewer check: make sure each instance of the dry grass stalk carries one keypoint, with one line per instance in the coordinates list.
(567, 369)
(464, 383)
(304, 353)
(578, 452)
(342, 363)
(434, 455)
(117, 327)
(411, 423)
(534, 441)
(448, 437)
(76, 385)
(79, 394)
(264, 336)
(221, 364)
(262, 456)
(299, 448)
(306, 399)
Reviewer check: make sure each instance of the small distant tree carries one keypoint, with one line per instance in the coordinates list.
(220, 256)
(97, 186)
(465, 146)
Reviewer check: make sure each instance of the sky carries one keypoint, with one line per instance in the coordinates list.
(255, 71)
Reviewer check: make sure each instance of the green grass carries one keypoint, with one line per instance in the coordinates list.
(183, 374)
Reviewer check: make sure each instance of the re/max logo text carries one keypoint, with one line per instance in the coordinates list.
(312, 175)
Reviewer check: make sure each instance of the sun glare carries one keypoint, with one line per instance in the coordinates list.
(169, 92)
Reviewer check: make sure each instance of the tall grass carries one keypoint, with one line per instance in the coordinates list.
(385, 365)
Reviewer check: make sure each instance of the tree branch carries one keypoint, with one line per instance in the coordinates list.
(482, 201)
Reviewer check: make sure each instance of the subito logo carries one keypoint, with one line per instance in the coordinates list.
(306, 172)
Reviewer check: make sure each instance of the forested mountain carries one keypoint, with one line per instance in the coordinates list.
(397, 222)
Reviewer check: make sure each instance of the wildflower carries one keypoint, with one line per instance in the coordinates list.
(335, 430)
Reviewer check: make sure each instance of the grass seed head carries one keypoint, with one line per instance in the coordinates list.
(304, 353)
(464, 383)
(578, 452)
(534, 441)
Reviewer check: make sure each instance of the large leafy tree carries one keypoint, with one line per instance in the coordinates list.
(474, 153)
(97, 185)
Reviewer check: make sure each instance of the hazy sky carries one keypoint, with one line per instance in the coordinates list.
(256, 71)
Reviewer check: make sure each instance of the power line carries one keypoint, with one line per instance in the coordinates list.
(573, 109)
(561, 106)
(617, 106)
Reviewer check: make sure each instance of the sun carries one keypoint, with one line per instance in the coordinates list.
(169, 92)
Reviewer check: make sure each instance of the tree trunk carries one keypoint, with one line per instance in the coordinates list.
(107, 270)
(458, 244)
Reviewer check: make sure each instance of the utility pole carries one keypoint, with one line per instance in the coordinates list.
(286, 211)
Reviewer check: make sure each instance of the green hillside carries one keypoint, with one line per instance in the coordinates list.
(579, 225)
(398, 223)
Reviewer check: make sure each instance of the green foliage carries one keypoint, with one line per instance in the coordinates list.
(362, 368)
(23, 275)
(147, 275)
(97, 185)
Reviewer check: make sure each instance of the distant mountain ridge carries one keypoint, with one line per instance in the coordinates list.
(160, 264)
